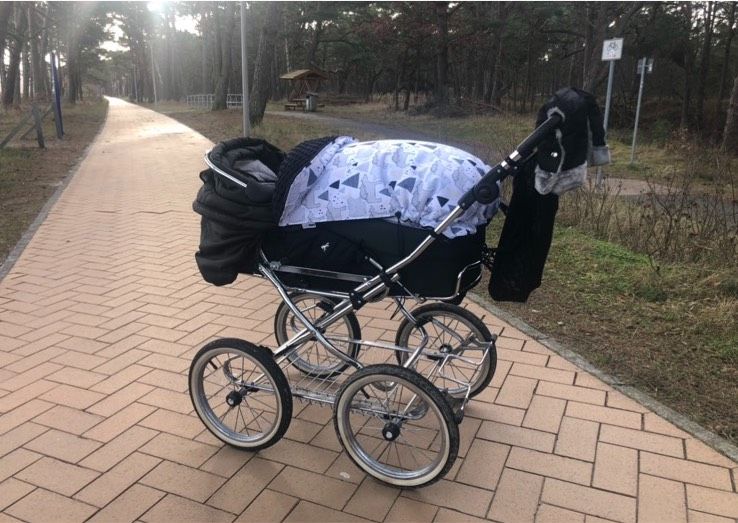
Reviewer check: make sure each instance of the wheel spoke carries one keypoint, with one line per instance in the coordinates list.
(261, 415)
(388, 444)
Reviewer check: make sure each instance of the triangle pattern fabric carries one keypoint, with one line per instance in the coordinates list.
(352, 181)
(407, 184)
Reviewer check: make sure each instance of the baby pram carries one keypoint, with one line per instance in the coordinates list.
(396, 406)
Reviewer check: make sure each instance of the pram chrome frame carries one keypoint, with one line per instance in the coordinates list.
(326, 390)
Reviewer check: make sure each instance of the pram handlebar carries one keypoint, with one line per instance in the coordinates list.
(485, 191)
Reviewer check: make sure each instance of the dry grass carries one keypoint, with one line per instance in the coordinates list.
(29, 175)
(672, 333)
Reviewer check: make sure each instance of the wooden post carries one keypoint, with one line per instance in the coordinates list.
(33, 127)
(15, 130)
(39, 127)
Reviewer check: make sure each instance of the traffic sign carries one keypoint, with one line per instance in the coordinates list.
(612, 49)
(648, 63)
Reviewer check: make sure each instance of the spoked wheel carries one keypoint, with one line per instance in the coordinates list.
(401, 432)
(447, 327)
(312, 358)
(240, 393)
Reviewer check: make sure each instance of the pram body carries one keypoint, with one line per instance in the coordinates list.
(334, 256)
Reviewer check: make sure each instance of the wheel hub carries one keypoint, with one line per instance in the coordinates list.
(391, 431)
(443, 349)
(234, 398)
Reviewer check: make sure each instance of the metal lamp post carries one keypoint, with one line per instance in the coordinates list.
(244, 74)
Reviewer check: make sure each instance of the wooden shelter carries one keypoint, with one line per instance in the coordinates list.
(302, 82)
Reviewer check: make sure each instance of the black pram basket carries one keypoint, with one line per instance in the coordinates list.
(237, 221)
(447, 269)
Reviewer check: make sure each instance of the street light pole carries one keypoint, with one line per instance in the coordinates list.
(244, 74)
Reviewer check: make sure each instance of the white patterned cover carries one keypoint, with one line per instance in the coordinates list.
(422, 181)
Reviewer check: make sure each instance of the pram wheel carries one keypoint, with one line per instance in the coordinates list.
(312, 358)
(240, 393)
(396, 426)
(447, 327)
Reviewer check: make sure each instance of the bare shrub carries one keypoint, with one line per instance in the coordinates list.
(677, 220)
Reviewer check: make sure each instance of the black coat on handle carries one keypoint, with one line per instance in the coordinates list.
(523, 247)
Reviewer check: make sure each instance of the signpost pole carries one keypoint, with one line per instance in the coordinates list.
(608, 96)
(644, 66)
(611, 50)
(244, 75)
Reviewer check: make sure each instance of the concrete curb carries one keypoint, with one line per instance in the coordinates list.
(27, 236)
(709, 438)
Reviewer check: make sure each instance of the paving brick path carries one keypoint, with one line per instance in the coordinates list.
(99, 319)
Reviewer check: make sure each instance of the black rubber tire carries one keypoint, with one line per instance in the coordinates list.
(262, 356)
(280, 333)
(424, 313)
(395, 373)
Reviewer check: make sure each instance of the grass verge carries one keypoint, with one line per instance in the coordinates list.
(671, 329)
(29, 175)
(490, 135)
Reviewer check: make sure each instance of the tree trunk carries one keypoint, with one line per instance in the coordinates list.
(688, 68)
(73, 56)
(373, 77)
(261, 85)
(6, 9)
(315, 43)
(224, 40)
(594, 70)
(73, 72)
(726, 57)
(730, 132)
(46, 75)
(26, 62)
(528, 93)
(39, 85)
(13, 73)
(440, 94)
(204, 55)
(399, 75)
(704, 63)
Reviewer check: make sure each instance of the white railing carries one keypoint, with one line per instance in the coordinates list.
(206, 100)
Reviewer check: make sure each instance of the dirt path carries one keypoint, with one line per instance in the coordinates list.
(388, 131)
(621, 186)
